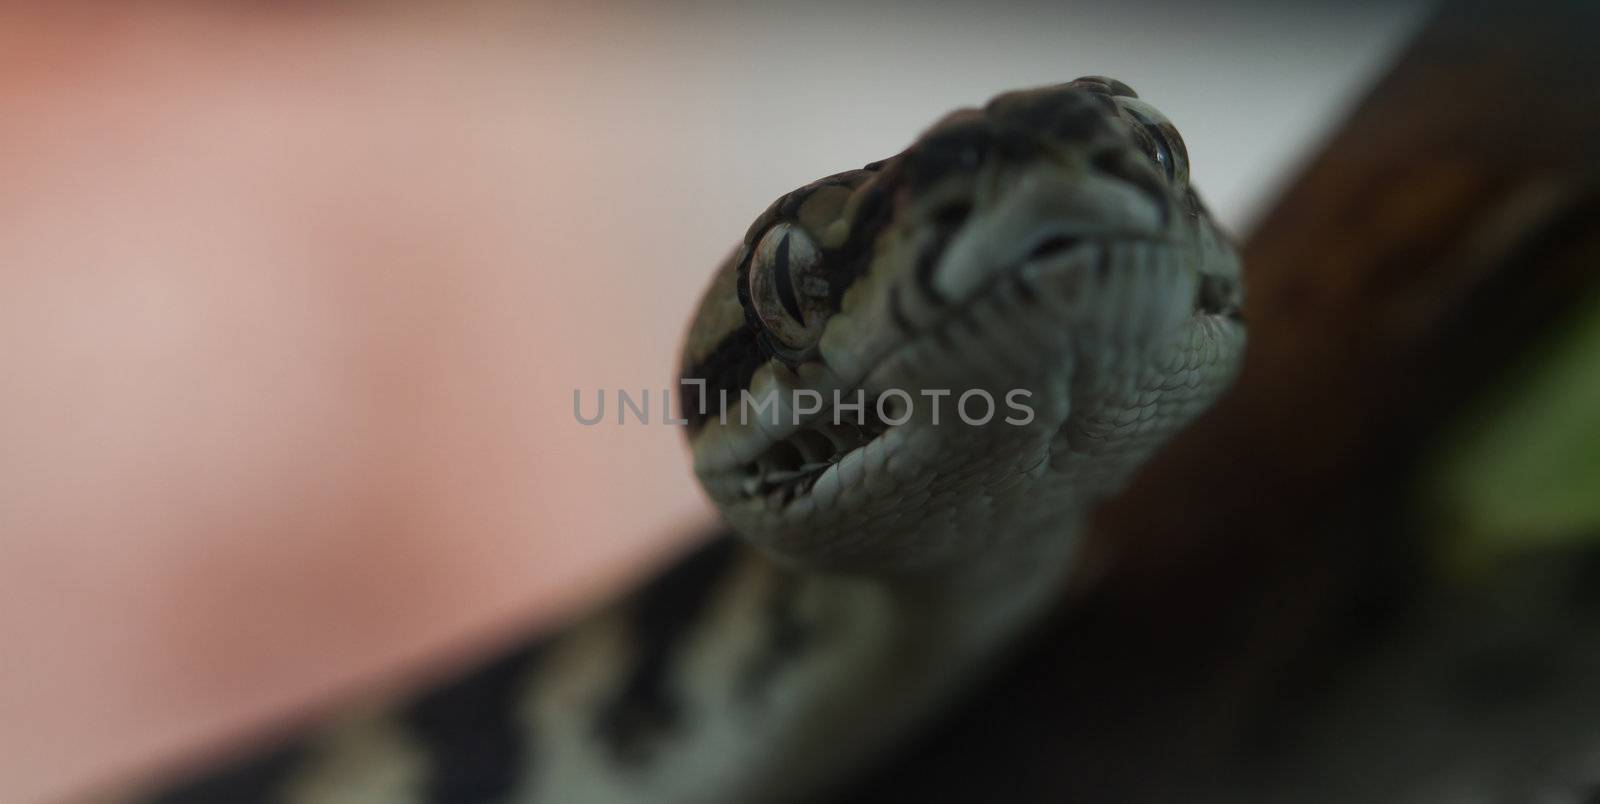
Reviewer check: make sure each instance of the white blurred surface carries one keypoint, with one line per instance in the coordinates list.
(295, 303)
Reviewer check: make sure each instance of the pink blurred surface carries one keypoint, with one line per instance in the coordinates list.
(293, 328)
(294, 305)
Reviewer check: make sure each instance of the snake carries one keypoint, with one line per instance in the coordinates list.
(905, 391)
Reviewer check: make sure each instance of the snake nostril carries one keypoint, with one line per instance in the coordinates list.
(1215, 295)
(1053, 246)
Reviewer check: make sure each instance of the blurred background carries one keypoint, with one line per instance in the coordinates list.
(295, 300)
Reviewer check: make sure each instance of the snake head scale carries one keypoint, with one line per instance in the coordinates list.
(955, 346)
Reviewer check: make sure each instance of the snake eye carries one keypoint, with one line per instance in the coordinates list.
(1158, 139)
(788, 290)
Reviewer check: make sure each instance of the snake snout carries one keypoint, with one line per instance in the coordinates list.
(1041, 217)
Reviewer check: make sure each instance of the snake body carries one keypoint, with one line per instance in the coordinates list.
(1046, 252)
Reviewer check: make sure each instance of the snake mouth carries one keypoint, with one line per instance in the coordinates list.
(792, 464)
(1107, 281)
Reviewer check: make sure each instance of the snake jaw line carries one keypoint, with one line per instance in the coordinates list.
(791, 465)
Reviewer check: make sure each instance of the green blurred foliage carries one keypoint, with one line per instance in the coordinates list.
(1521, 470)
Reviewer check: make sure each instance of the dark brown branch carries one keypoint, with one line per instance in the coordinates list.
(1450, 220)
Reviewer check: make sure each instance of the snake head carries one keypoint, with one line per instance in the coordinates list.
(905, 364)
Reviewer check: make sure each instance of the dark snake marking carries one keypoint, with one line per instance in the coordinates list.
(728, 368)
(1073, 113)
(260, 780)
(946, 222)
(645, 707)
(478, 751)
(787, 639)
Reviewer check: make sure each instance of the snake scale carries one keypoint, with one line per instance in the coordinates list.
(1043, 260)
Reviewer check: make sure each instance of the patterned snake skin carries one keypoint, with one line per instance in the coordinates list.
(1042, 259)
